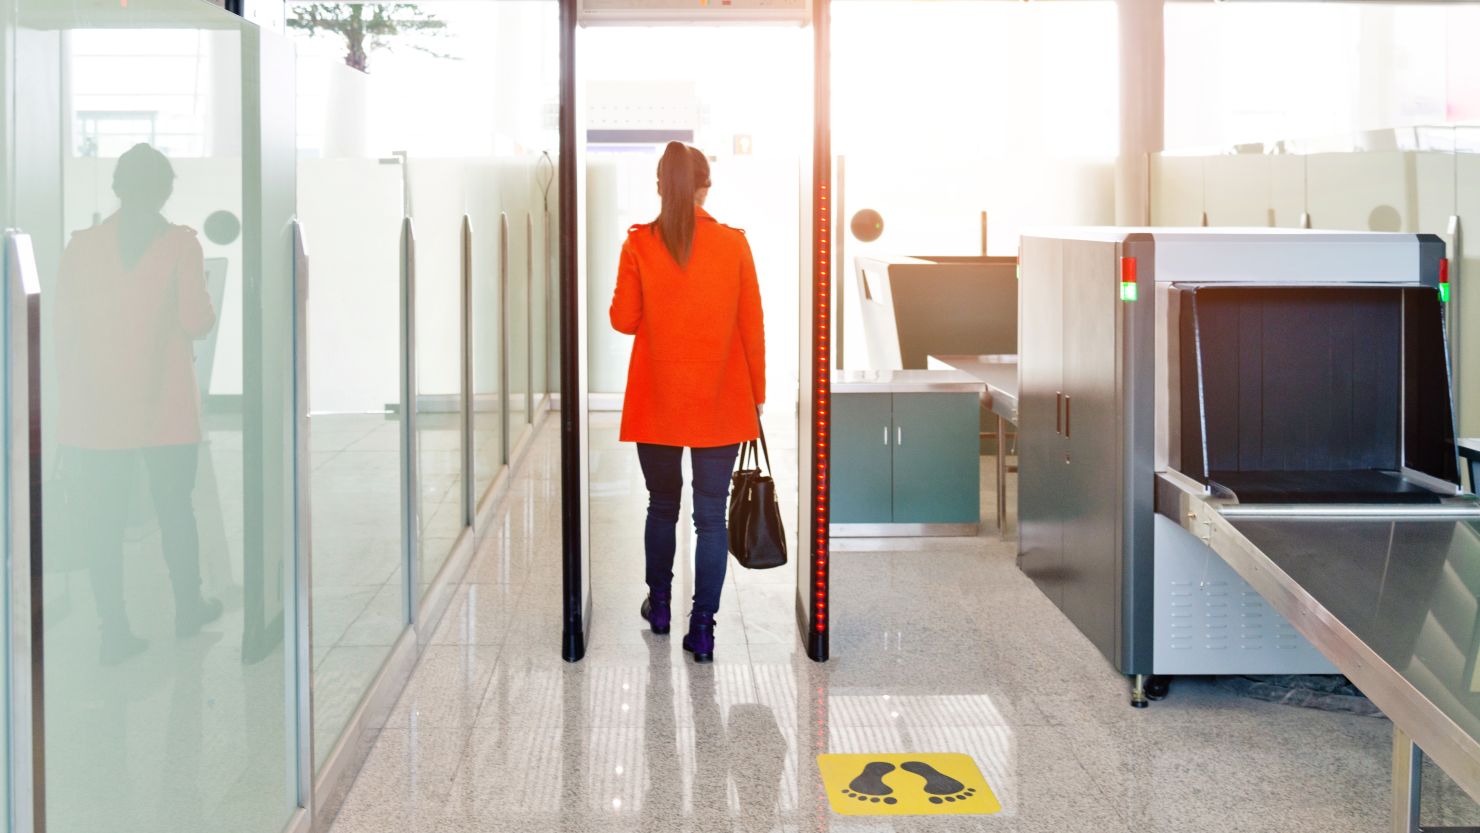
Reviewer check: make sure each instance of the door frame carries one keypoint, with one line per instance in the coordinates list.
(814, 403)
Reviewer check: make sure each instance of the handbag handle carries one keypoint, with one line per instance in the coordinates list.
(762, 430)
(748, 449)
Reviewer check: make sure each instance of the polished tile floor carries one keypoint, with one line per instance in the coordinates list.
(938, 646)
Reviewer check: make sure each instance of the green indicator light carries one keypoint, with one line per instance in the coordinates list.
(1128, 291)
(1018, 272)
(1443, 293)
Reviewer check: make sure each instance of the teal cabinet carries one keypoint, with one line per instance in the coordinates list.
(905, 458)
(937, 458)
(862, 474)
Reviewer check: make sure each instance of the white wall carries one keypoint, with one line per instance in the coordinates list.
(351, 215)
(442, 191)
(933, 207)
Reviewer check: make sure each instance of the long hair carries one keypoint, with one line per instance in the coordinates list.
(681, 171)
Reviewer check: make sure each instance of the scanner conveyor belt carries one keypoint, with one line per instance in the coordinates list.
(1324, 487)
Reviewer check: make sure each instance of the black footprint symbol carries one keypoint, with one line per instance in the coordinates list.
(869, 785)
(942, 788)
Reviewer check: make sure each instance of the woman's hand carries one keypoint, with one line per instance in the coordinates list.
(760, 410)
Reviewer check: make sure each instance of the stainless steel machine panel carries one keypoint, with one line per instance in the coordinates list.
(1116, 377)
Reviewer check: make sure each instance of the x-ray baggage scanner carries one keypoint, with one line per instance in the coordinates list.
(1171, 374)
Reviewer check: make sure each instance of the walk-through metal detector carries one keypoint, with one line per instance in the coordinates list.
(815, 361)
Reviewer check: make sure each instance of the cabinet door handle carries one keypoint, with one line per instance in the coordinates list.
(899, 435)
(886, 436)
(1058, 412)
(1068, 418)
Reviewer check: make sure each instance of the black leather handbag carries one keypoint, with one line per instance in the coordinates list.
(757, 539)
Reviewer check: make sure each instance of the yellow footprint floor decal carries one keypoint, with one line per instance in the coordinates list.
(916, 784)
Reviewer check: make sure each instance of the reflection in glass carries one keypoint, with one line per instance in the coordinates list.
(131, 298)
(166, 392)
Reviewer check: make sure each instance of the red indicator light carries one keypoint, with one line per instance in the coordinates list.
(1127, 270)
(1444, 270)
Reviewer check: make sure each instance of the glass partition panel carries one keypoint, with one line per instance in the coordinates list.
(516, 186)
(544, 275)
(485, 205)
(166, 261)
(350, 205)
(18, 559)
(437, 203)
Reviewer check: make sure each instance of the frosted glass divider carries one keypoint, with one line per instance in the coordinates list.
(410, 488)
(528, 318)
(25, 682)
(503, 329)
(303, 523)
(470, 477)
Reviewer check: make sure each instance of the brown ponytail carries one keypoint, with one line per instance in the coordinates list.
(681, 171)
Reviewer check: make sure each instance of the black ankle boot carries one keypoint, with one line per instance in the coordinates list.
(700, 640)
(194, 614)
(658, 611)
(119, 644)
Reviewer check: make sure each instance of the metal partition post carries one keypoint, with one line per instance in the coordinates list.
(575, 596)
(469, 480)
(24, 554)
(528, 318)
(410, 504)
(1455, 234)
(1407, 782)
(503, 333)
(551, 284)
(819, 411)
(302, 523)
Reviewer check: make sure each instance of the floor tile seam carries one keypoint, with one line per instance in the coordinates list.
(504, 632)
(339, 643)
(498, 661)
(463, 726)
(369, 600)
(1079, 759)
(333, 455)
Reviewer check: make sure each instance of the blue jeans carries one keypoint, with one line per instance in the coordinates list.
(662, 468)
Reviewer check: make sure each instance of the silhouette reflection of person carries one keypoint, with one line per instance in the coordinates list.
(131, 298)
(748, 749)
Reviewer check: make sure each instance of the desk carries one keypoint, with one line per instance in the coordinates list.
(1000, 376)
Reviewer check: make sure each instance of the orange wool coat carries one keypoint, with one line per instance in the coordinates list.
(698, 367)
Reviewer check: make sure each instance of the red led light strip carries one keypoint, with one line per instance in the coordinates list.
(822, 403)
(821, 323)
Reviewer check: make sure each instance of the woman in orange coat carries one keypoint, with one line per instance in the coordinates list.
(686, 288)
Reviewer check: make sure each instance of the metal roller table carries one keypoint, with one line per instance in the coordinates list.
(1391, 595)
